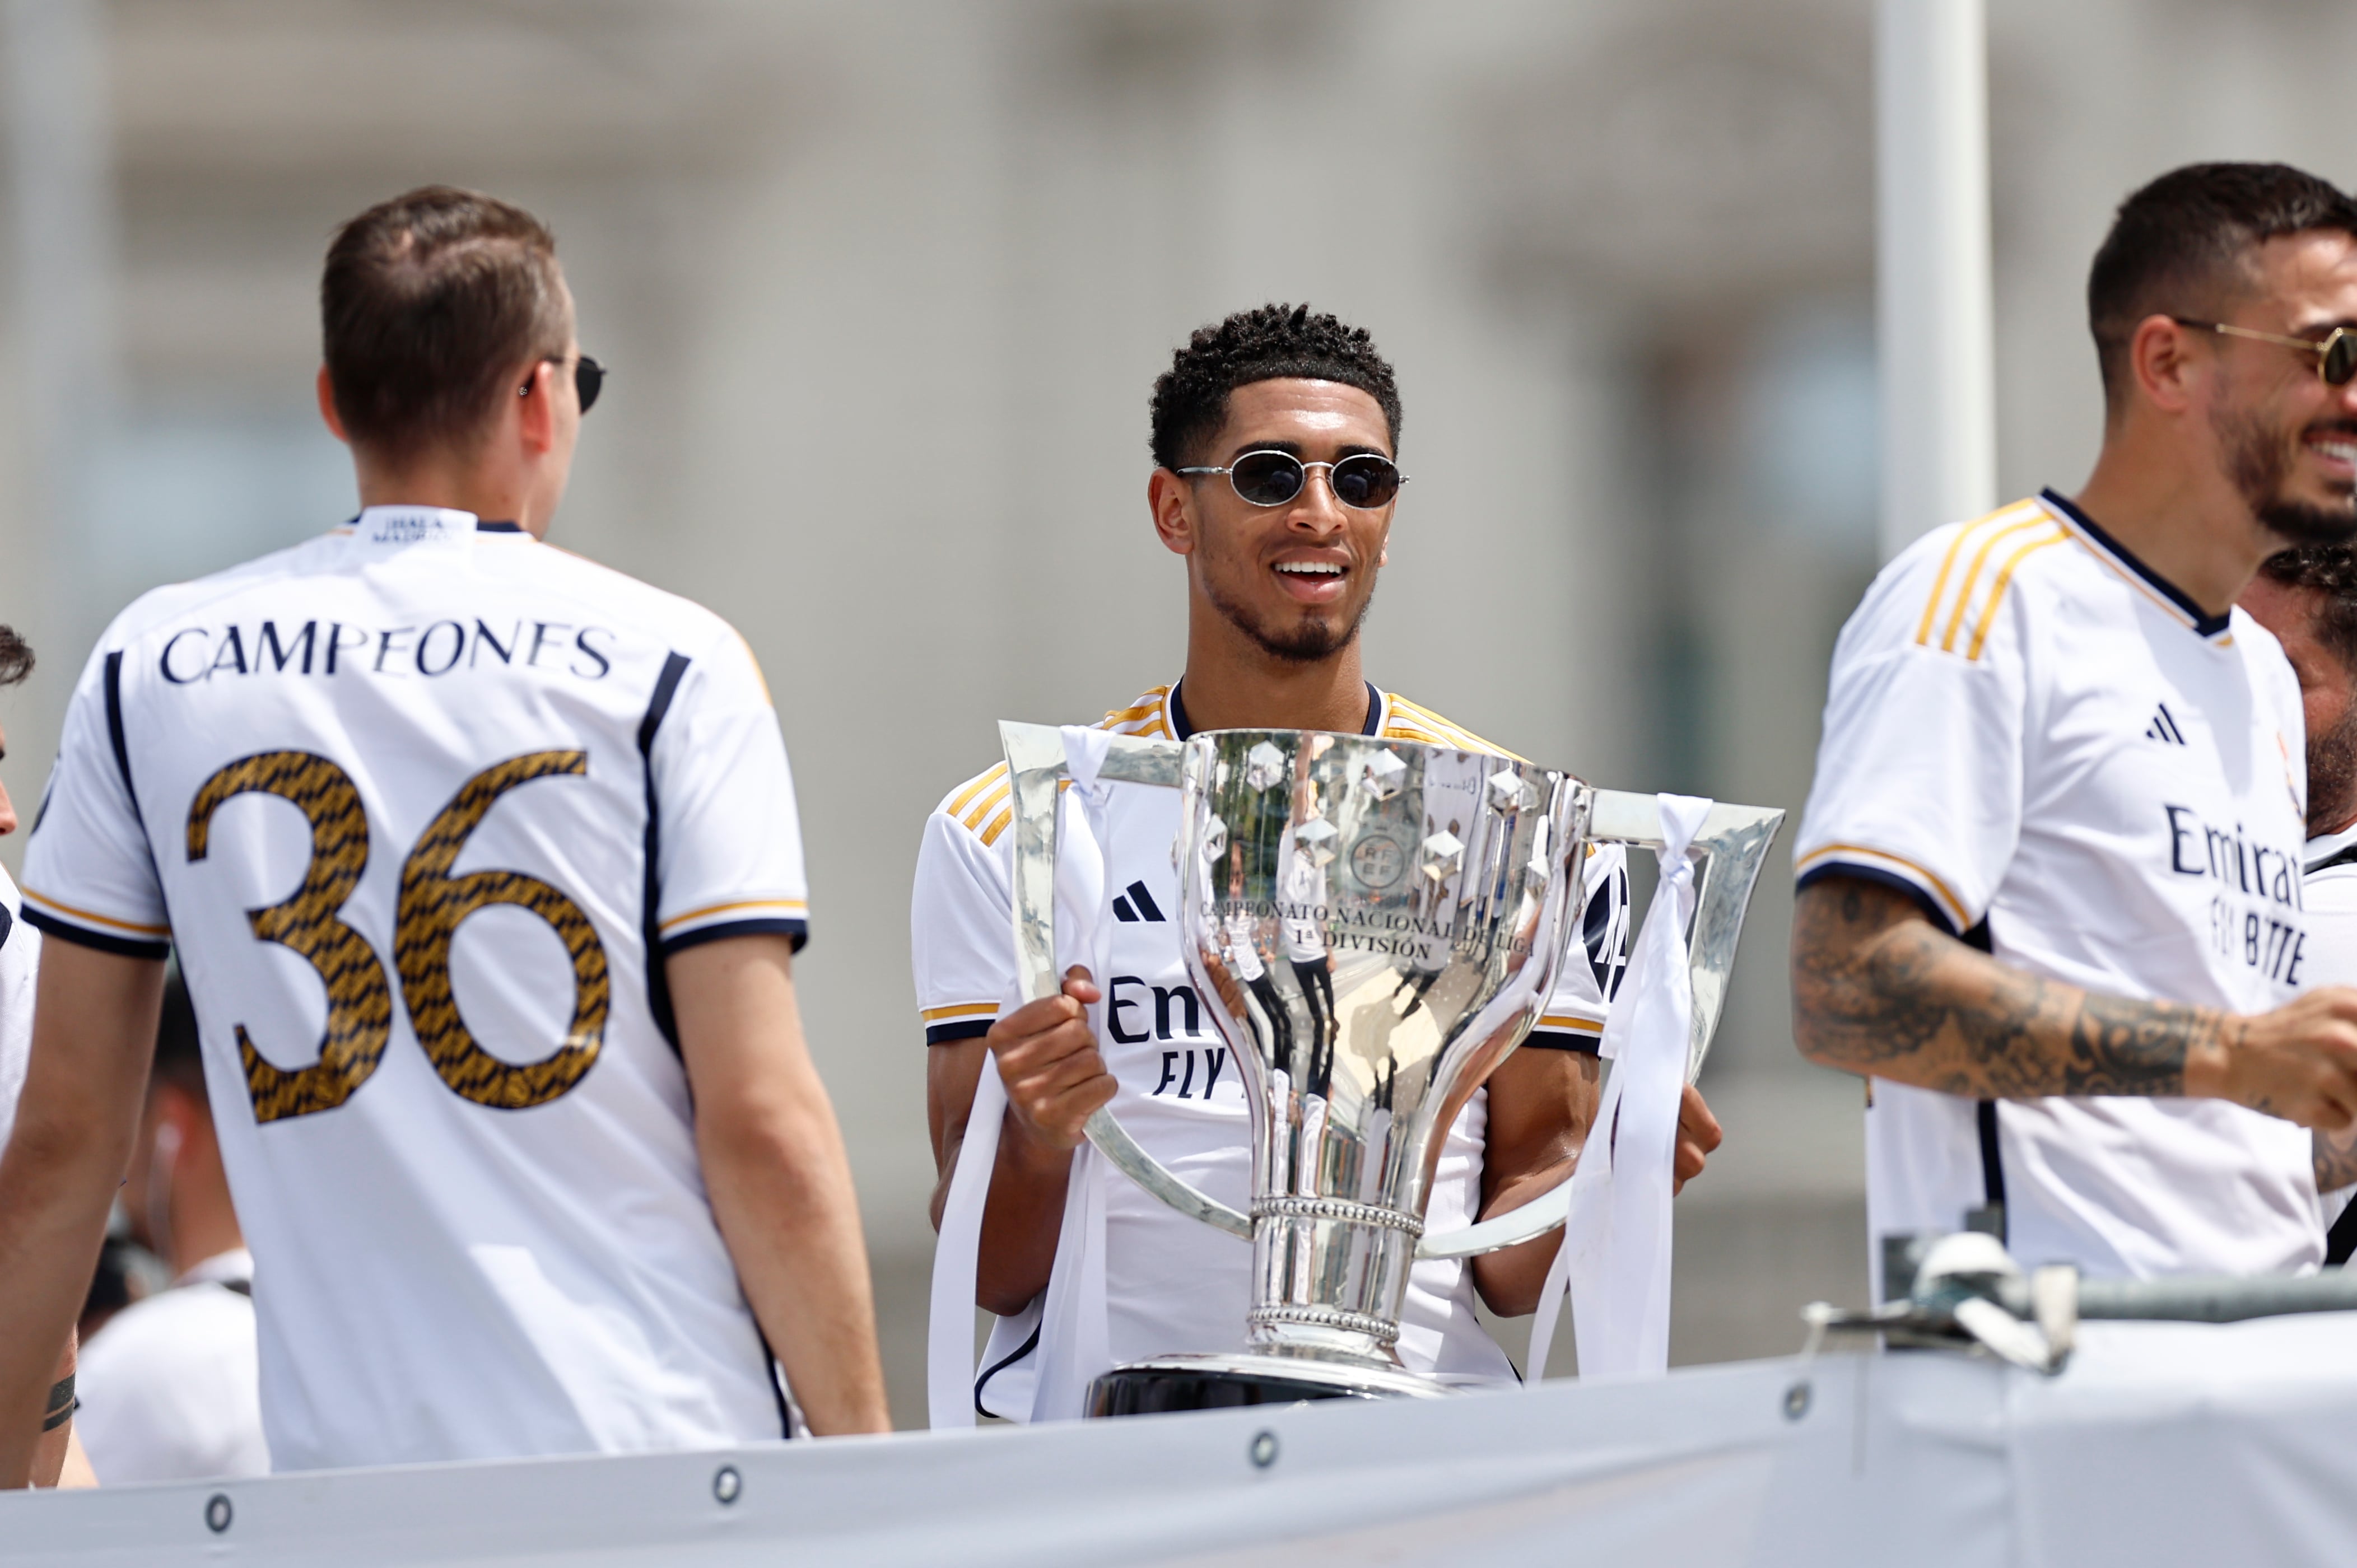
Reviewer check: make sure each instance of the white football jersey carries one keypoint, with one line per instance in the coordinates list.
(1171, 1284)
(2330, 891)
(2038, 738)
(422, 803)
(20, 963)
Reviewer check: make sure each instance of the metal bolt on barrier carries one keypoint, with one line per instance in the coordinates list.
(218, 1513)
(1264, 1450)
(726, 1485)
(1796, 1401)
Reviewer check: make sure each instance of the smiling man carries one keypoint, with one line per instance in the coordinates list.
(2050, 867)
(1274, 438)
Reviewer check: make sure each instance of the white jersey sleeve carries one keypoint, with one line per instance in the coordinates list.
(729, 848)
(1919, 781)
(1596, 954)
(961, 920)
(20, 962)
(90, 873)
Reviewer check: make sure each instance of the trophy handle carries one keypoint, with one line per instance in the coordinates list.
(1734, 844)
(1037, 775)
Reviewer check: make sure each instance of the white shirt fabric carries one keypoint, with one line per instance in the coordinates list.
(1171, 1284)
(2331, 892)
(472, 789)
(170, 1388)
(20, 963)
(2026, 727)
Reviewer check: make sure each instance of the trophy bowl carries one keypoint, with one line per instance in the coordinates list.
(1374, 925)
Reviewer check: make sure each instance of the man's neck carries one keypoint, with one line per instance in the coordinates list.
(2185, 521)
(454, 489)
(1231, 682)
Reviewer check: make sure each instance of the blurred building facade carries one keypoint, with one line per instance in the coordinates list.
(885, 286)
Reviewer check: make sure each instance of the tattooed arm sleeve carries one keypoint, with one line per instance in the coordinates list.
(1879, 990)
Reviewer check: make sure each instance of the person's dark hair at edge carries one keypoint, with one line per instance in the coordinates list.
(428, 305)
(2331, 571)
(2181, 246)
(15, 657)
(1270, 342)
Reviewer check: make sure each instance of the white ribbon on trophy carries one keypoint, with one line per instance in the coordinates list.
(1615, 1256)
(1075, 1343)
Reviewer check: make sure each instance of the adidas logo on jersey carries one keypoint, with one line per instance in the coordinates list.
(1133, 904)
(2163, 728)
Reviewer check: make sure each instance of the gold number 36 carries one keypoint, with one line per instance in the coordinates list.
(432, 906)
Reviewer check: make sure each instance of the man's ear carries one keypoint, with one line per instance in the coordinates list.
(328, 408)
(2162, 362)
(1171, 499)
(536, 406)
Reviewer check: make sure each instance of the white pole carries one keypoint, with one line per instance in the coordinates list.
(1933, 313)
(62, 190)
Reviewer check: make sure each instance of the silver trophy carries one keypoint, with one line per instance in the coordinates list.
(1372, 925)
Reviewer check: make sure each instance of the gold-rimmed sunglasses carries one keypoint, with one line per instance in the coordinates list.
(2336, 351)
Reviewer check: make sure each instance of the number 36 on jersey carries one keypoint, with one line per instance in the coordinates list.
(433, 904)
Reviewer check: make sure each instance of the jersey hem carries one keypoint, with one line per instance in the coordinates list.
(49, 925)
(798, 930)
(1922, 899)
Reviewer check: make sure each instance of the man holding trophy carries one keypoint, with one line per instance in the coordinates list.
(1275, 434)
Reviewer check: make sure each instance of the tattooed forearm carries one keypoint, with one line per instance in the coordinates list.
(1877, 990)
(2335, 1160)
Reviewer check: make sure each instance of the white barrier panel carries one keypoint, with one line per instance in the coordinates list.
(2164, 1442)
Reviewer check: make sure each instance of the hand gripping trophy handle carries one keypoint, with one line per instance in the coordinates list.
(1734, 841)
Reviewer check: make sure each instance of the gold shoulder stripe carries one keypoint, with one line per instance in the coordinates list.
(984, 805)
(1997, 590)
(989, 803)
(1973, 574)
(1948, 563)
(1149, 705)
(975, 786)
(1414, 721)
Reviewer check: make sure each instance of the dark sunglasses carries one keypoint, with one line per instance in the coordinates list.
(2336, 351)
(1271, 478)
(589, 380)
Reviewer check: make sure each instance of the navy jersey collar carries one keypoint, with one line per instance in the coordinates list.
(482, 525)
(1181, 728)
(2204, 623)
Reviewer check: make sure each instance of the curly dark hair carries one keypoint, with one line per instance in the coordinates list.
(15, 657)
(1267, 343)
(2329, 570)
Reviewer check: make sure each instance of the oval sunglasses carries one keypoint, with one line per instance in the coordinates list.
(1362, 481)
(588, 378)
(2336, 351)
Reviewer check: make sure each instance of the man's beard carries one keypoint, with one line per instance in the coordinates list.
(1307, 642)
(2332, 776)
(2258, 461)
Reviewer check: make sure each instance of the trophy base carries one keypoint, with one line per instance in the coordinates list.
(1170, 1383)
